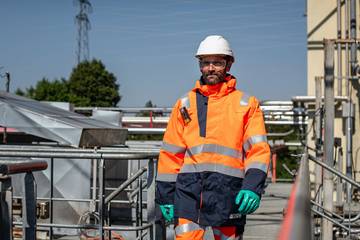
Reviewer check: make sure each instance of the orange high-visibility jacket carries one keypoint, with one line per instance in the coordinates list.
(205, 162)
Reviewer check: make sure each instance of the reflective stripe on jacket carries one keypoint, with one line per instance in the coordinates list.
(205, 162)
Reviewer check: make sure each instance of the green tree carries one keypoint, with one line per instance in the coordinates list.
(284, 153)
(146, 113)
(46, 90)
(90, 84)
(148, 104)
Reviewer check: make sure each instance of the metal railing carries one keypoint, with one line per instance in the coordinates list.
(275, 113)
(8, 168)
(297, 221)
(329, 215)
(102, 200)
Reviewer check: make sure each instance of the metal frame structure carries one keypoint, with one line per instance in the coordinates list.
(102, 200)
(297, 223)
(8, 168)
(326, 148)
(275, 113)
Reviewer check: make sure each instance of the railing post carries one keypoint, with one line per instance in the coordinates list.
(151, 198)
(158, 230)
(151, 119)
(339, 187)
(274, 159)
(140, 206)
(327, 226)
(348, 115)
(29, 207)
(51, 197)
(101, 208)
(5, 208)
(318, 134)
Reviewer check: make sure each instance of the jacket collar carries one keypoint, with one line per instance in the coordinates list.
(217, 90)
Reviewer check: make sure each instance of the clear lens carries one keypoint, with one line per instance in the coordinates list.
(218, 64)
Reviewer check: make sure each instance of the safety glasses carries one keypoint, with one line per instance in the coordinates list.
(217, 64)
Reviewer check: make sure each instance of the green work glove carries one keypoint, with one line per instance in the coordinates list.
(248, 200)
(167, 211)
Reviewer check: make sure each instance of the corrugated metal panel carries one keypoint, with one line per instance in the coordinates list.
(68, 128)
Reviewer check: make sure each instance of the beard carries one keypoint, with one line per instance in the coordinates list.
(213, 78)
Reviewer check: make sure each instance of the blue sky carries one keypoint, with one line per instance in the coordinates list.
(150, 45)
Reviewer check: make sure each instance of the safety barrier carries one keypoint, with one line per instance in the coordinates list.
(8, 168)
(99, 156)
(297, 221)
(344, 223)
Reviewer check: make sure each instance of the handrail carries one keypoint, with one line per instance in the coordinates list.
(124, 185)
(336, 222)
(8, 167)
(297, 221)
(118, 156)
(334, 171)
(113, 150)
(343, 220)
(91, 226)
(330, 219)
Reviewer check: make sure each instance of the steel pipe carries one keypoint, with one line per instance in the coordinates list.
(90, 226)
(330, 169)
(347, 67)
(330, 219)
(313, 98)
(101, 203)
(339, 53)
(318, 131)
(124, 149)
(117, 156)
(353, 45)
(124, 185)
(286, 122)
(8, 167)
(343, 220)
(328, 184)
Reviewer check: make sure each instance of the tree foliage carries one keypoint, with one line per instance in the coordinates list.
(46, 90)
(89, 84)
(146, 113)
(284, 155)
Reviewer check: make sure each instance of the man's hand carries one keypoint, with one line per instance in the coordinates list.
(167, 211)
(248, 200)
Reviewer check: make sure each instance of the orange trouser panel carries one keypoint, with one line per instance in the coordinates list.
(186, 230)
(221, 233)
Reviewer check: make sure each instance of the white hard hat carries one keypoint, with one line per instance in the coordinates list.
(215, 45)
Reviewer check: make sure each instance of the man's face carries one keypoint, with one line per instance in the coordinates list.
(213, 69)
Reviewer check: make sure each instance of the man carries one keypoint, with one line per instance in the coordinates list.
(214, 159)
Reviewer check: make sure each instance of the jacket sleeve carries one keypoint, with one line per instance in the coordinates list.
(256, 149)
(171, 157)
